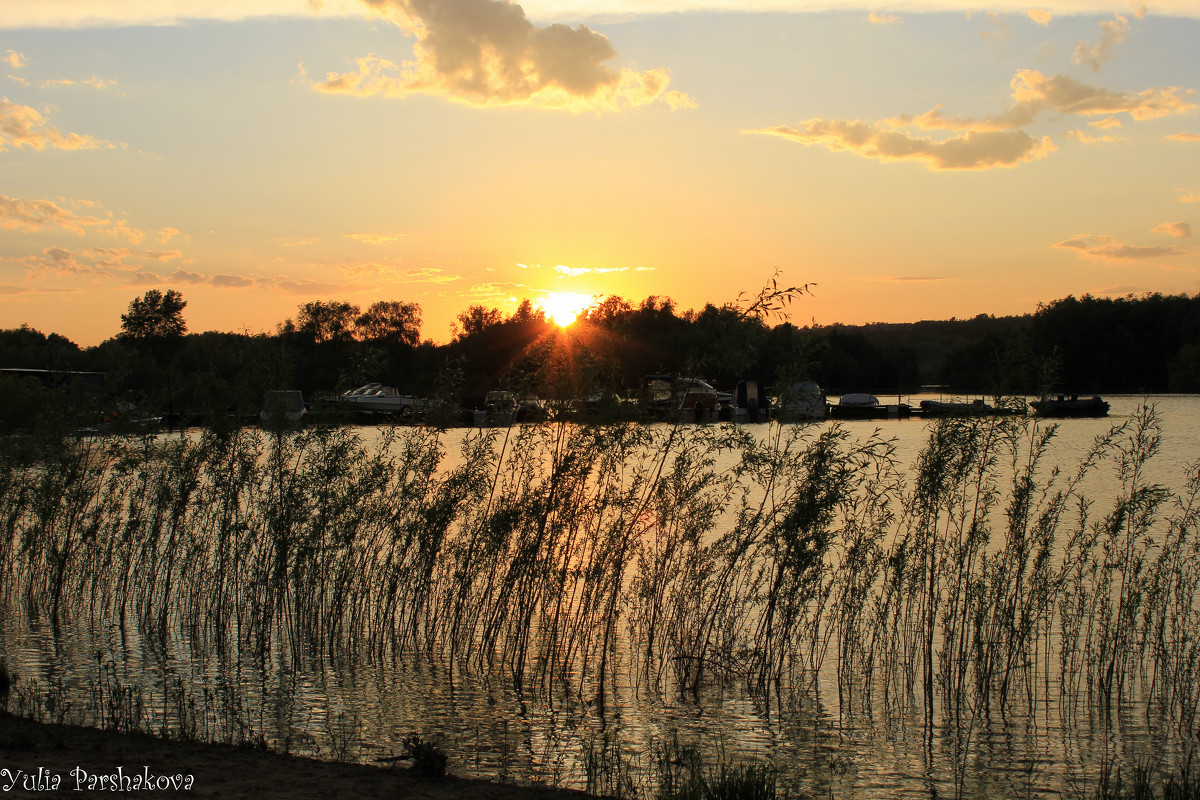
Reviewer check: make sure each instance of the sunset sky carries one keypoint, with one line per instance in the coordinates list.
(915, 160)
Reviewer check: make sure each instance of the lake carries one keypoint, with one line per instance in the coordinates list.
(874, 616)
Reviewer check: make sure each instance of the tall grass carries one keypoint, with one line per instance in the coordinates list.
(574, 559)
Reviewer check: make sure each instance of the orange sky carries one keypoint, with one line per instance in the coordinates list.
(914, 161)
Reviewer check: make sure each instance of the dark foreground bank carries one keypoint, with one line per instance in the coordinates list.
(67, 761)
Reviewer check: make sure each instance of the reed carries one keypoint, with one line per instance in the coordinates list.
(579, 559)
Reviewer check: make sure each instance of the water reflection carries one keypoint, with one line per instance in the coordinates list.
(532, 704)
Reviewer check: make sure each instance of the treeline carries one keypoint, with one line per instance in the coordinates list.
(1149, 343)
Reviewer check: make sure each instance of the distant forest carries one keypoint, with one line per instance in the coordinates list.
(1148, 343)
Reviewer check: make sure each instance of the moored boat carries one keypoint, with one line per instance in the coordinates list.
(1064, 406)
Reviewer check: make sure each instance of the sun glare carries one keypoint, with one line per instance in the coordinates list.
(562, 308)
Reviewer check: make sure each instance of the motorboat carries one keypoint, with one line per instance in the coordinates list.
(376, 398)
(1064, 406)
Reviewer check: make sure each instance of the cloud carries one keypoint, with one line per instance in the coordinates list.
(1040, 16)
(429, 275)
(231, 281)
(1112, 33)
(918, 278)
(166, 234)
(879, 18)
(1107, 248)
(14, 59)
(377, 238)
(1180, 230)
(306, 286)
(183, 276)
(1086, 138)
(284, 242)
(488, 53)
(1035, 93)
(1189, 197)
(95, 82)
(1106, 123)
(1184, 137)
(973, 150)
(22, 126)
(573, 271)
(31, 216)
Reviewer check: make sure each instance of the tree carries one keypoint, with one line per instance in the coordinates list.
(475, 320)
(326, 322)
(154, 315)
(390, 322)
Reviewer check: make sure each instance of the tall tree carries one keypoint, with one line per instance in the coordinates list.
(475, 320)
(331, 321)
(390, 322)
(154, 315)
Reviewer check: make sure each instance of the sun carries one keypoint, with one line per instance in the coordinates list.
(562, 308)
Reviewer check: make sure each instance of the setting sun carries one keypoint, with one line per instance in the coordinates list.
(562, 308)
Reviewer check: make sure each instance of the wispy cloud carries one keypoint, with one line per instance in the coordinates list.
(573, 271)
(974, 150)
(883, 18)
(1106, 123)
(308, 287)
(1087, 138)
(1184, 137)
(1108, 248)
(14, 59)
(488, 53)
(918, 278)
(1189, 197)
(22, 126)
(31, 216)
(1180, 230)
(1034, 93)
(222, 281)
(1112, 33)
(393, 273)
(95, 82)
(376, 238)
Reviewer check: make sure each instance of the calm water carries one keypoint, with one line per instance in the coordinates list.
(360, 707)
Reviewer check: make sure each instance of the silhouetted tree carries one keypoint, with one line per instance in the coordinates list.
(390, 322)
(154, 315)
(321, 321)
(475, 320)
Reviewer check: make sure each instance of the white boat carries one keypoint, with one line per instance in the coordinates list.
(379, 399)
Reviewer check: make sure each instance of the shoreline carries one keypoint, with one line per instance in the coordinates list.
(46, 760)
